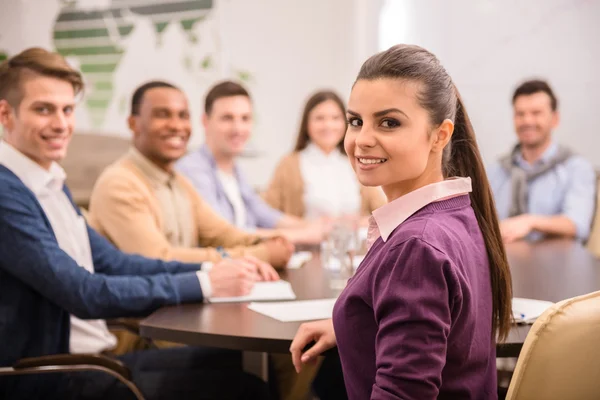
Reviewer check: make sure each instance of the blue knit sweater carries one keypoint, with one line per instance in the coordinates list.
(41, 285)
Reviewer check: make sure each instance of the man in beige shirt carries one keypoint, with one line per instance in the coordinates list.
(143, 206)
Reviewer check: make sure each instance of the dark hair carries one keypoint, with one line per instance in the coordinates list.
(34, 60)
(223, 89)
(461, 157)
(536, 86)
(138, 94)
(314, 100)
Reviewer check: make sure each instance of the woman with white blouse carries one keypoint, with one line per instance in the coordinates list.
(316, 180)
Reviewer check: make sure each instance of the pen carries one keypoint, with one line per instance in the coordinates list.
(222, 252)
(522, 315)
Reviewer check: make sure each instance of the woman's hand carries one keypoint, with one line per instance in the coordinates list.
(320, 332)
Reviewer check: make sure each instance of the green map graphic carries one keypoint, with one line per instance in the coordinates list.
(94, 38)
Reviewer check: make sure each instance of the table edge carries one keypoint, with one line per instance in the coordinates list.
(232, 342)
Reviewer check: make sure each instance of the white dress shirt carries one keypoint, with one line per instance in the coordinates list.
(231, 188)
(87, 336)
(330, 185)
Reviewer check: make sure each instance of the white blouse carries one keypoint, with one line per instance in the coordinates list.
(330, 185)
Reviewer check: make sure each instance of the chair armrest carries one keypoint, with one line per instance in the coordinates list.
(75, 359)
(129, 324)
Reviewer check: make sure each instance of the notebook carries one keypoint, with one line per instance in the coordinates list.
(528, 310)
(262, 291)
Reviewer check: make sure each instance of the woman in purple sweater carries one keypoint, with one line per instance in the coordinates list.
(420, 318)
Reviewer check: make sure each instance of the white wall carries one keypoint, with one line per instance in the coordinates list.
(489, 47)
(293, 48)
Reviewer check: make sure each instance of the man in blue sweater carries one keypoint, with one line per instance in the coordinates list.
(59, 279)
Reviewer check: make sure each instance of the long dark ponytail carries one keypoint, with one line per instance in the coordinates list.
(461, 156)
(464, 159)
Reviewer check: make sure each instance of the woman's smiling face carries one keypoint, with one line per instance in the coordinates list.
(389, 139)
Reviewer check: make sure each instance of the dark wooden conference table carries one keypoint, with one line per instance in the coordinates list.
(551, 270)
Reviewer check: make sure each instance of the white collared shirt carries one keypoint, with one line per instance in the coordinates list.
(330, 185)
(87, 336)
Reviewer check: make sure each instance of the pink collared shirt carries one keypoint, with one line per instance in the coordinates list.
(388, 217)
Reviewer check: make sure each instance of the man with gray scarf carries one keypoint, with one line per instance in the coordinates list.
(541, 188)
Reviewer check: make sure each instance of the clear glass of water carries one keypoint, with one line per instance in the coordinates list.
(344, 244)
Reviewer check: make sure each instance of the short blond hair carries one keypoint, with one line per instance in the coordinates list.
(35, 60)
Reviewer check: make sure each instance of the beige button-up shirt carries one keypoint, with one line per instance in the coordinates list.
(173, 200)
(174, 205)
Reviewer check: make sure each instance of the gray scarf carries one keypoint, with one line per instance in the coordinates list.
(521, 178)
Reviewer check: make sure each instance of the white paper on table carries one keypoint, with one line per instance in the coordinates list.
(528, 310)
(291, 311)
(262, 291)
(298, 259)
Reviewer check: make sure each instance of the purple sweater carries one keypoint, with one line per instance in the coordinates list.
(415, 322)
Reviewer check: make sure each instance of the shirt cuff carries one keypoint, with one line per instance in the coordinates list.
(207, 266)
(205, 285)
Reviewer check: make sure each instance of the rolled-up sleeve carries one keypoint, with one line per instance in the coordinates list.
(580, 197)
